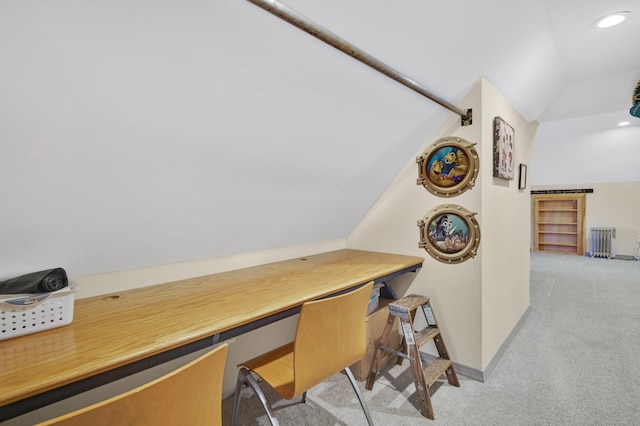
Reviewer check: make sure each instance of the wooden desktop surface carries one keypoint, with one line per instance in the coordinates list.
(113, 330)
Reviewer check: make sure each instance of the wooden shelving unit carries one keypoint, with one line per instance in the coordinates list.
(558, 223)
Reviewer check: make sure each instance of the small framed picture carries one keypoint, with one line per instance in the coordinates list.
(522, 179)
(503, 149)
(450, 233)
(448, 167)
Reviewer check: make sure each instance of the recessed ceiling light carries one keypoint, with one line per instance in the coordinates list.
(623, 123)
(611, 19)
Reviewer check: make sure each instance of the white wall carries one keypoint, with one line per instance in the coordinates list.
(593, 152)
(587, 150)
(135, 134)
(479, 301)
(610, 204)
(391, 225)
(506, 213)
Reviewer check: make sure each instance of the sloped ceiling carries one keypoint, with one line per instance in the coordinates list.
(601, 65)
(579, 141)
(148, 132)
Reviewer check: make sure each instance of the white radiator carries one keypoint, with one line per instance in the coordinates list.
(603, 242)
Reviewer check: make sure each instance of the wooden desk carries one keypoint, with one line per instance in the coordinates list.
(115, 335)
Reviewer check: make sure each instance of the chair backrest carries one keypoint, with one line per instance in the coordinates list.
(331, 335)
(190, 395)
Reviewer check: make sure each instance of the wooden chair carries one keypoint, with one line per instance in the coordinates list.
(330, 336)
(190, 395)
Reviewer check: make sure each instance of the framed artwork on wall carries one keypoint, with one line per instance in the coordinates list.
(448, 167)
(503, 149)
(450, 233)
(522, 178)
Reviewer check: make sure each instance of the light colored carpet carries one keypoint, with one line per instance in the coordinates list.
(576, 361)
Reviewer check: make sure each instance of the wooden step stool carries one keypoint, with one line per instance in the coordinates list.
(423, 376)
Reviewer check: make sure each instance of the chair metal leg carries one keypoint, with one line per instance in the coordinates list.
(304, 397)
(354, 384)
(236, 398)
(244, 376)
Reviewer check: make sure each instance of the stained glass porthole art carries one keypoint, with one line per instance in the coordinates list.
(448, 167)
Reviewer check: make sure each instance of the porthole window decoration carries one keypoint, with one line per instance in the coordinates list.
(448, 167)
(450, 233)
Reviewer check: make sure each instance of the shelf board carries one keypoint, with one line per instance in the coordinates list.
(552, 232)
(557, 223)
(540, 243)
(558, 251)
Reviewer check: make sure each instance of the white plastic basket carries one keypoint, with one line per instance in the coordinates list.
(22, 314)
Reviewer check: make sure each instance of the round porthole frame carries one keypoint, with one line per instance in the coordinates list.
(448, 167)
(444, 244)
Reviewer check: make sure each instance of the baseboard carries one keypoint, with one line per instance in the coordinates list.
(478, 375)
(498, 356)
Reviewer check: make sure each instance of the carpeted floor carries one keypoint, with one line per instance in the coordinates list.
(576, 361)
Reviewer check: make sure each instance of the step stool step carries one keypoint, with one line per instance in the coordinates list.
(435, 369)
(402, 307)
(425, 335)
